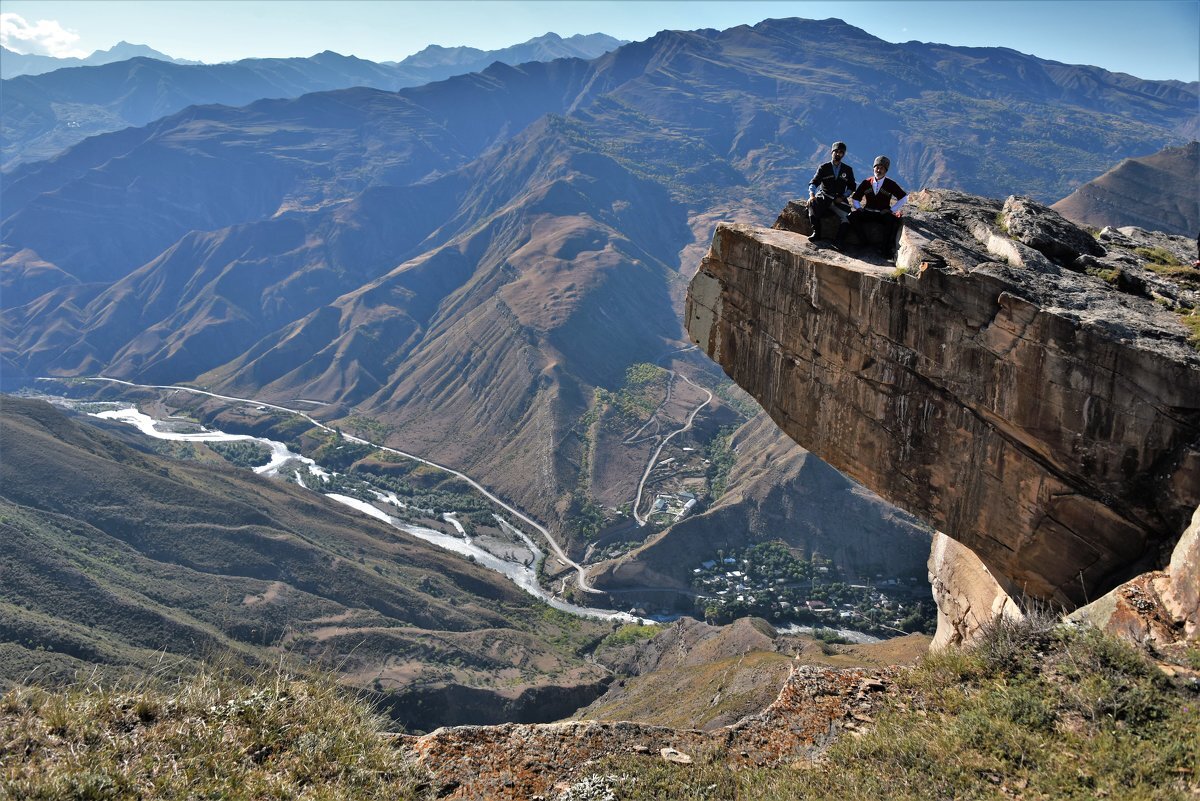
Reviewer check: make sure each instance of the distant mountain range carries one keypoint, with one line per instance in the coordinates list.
(46, 113)
(439, 62)
(473, 265)
(1155, 192)
(13, 64)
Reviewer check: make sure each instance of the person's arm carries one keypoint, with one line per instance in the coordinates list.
(815, 183)
(857, 197)
(850, 183)
(901, 198)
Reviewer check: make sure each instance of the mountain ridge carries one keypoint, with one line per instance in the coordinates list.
(491, 330)
(46, 114)
(1129, 194)
(18, 64)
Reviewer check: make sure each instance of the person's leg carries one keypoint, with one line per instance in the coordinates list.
(860, 223)
(891, 228)
(843, 225)
(817, 207)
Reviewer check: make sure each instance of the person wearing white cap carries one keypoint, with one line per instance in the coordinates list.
(878, 200)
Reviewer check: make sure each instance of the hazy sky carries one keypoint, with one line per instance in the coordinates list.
(1149, 39)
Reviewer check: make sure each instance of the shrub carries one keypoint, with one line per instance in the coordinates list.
(1014, 646)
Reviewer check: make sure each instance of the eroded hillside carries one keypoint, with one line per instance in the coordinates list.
(134, 563)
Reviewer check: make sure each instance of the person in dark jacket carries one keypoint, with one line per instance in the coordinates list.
(877, 201)
(828, 190)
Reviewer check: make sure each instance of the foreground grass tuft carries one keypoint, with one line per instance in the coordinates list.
(209, 737)
(1032, 712)
(1192, 321)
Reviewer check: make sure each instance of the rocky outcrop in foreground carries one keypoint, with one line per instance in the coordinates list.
(516, 761)
(1161, 607)
(1018, 383)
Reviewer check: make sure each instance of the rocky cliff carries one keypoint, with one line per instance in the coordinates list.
(1018, 383)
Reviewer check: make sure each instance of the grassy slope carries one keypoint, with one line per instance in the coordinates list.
(128, 561)
(1033, 713)
(212, 736)
(696, 676)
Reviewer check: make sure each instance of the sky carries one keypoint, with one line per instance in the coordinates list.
(1152, 39)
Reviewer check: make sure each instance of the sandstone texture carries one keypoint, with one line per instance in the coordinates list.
(1159, 609)
(516, 761)
(1017, 383)
(968, 596)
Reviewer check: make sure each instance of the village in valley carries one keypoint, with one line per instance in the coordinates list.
(769, 580)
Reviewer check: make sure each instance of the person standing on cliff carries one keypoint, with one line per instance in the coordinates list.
(878, 200)
(828, 190)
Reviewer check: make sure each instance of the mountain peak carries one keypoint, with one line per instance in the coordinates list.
(16, 64)
(123, 50)
(546, 47)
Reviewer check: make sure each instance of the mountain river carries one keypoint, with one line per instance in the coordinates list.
(522, 573)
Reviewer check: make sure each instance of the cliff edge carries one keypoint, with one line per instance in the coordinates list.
(1026, 387)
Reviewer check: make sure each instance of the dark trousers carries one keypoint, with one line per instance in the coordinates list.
(821, 205)
(876, 226)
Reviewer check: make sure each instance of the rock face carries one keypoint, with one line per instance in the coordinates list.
(968, 596)
(1160, 608)
(1014, 382)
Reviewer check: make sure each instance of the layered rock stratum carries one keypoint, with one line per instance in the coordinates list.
(1022, 385)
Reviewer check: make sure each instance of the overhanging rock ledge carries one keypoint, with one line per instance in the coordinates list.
(1019, 384)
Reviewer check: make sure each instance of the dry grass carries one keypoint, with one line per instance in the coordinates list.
(213, 736)
(1033, 713)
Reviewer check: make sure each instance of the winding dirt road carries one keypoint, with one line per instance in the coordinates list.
(550, 541)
